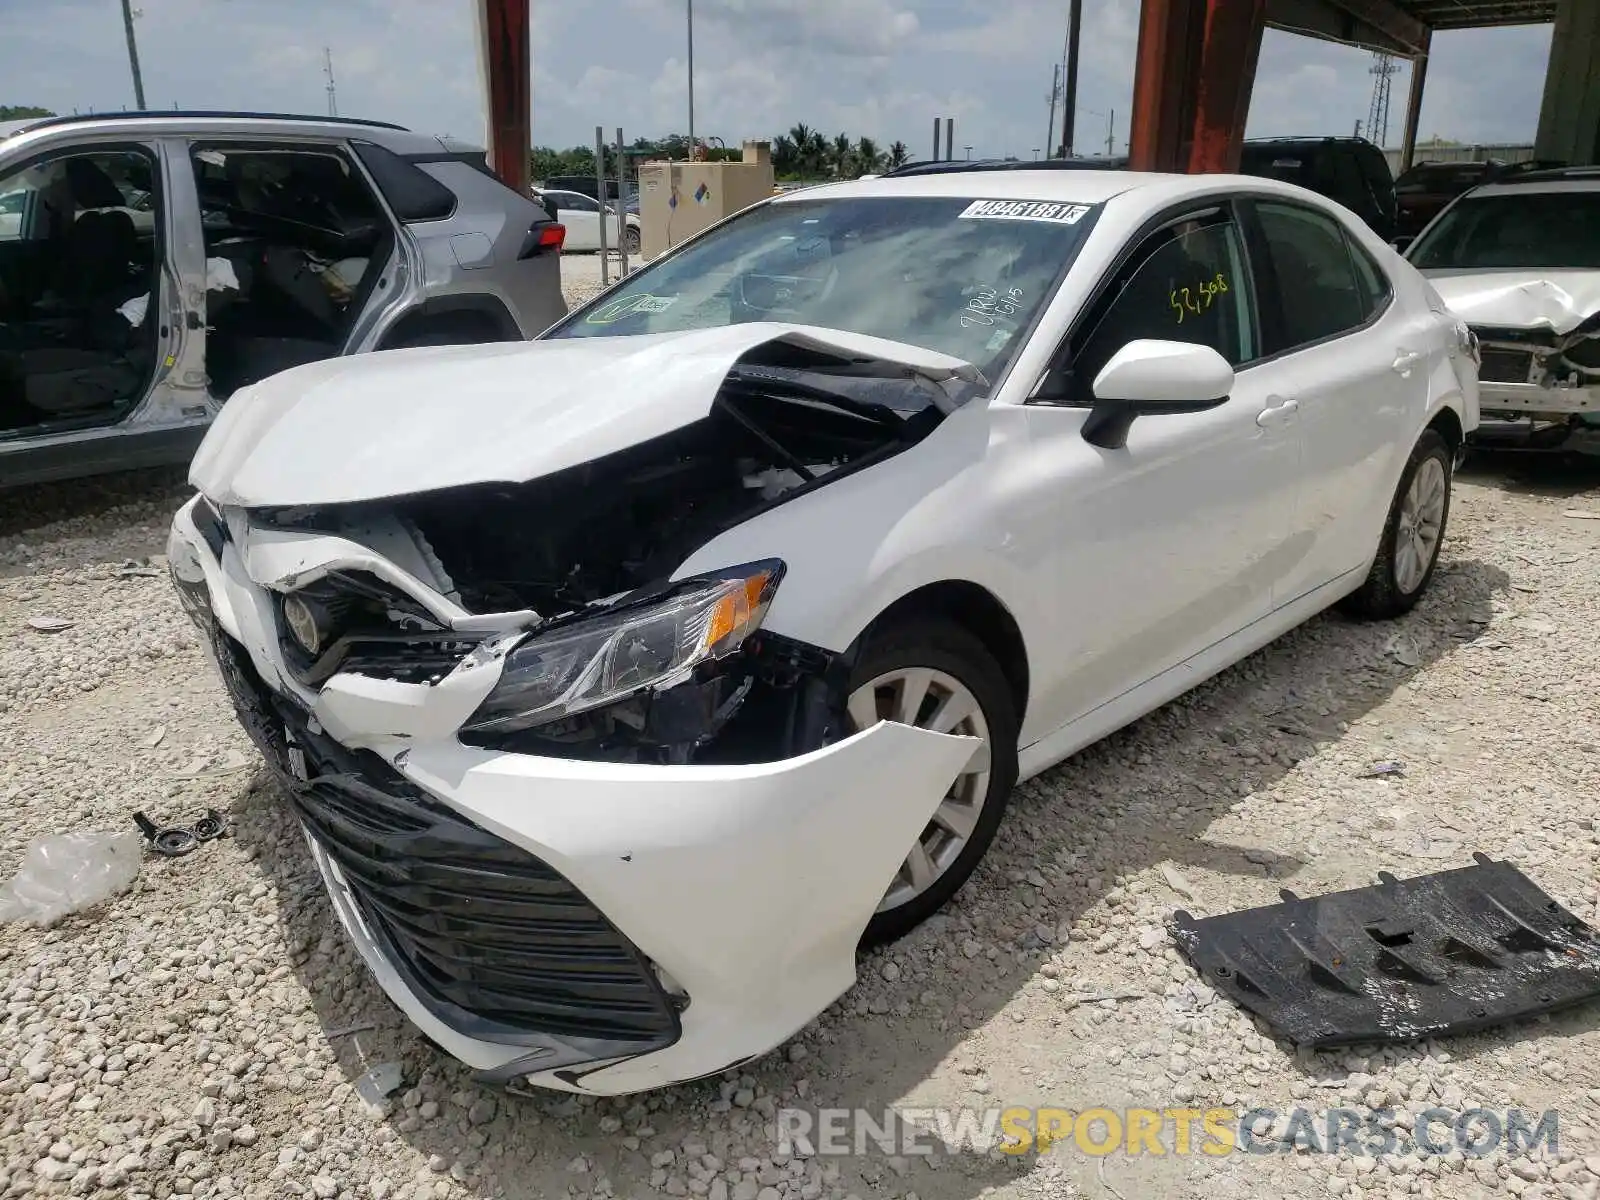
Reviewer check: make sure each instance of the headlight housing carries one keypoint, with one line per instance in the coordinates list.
(599, 660)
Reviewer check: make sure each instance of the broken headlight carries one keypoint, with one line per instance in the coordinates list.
(602, 659)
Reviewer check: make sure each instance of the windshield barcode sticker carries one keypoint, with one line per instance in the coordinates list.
(1025, 210)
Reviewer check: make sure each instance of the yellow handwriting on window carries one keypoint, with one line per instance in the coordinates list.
(1198, 298)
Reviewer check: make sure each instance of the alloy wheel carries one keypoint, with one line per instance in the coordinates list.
(934, 700)
(1420, 522)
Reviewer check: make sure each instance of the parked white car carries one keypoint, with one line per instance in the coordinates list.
(581, 215)
(1519, 261)
(625, 680)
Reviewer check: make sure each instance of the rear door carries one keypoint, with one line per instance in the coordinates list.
(1351, 365)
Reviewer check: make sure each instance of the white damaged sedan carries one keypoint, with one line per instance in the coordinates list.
(626, 680)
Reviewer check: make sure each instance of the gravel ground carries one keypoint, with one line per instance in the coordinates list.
(204, 1034)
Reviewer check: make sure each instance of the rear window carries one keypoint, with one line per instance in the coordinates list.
(1545, 230)
(961, 276)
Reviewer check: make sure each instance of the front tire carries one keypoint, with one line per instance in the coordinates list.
(935, 675)
(1409, 550)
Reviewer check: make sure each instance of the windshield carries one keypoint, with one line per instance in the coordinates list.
(960, 276)
(1547, 230)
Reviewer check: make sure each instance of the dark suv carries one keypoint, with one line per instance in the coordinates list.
(1349, 170)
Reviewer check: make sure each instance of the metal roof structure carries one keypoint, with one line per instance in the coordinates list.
(1478, 14)
(1400, 27)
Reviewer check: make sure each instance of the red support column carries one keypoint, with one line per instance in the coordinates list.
(1232, 35)
(1192, 81)
(504, 28)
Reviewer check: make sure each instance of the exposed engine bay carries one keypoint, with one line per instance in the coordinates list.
(1542, 356)
(596, 539)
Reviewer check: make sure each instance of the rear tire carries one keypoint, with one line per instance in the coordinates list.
(952, 672)
(1412, 535)
(631, 240)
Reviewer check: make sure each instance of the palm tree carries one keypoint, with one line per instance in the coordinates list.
(785, 156)
(802, 136)
(869, 159)
(840, 154)
(899, 155)
(813, 154)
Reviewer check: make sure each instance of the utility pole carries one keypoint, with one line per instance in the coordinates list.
(1055, 94)
(1111, 125)
(133, 53)
(1069, 105)
(327, 60)
(692, 155)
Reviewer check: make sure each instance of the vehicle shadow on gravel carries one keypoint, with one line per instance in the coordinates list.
(1552, 475)
(25, 508)
(1145, 799)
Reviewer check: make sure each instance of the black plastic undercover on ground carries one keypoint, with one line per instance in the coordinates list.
(1446, 953)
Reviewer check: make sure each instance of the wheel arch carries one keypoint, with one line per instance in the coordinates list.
(463, 313)
(1447, 423)
(981, 613)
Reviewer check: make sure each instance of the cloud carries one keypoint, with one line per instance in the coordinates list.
(880, 68)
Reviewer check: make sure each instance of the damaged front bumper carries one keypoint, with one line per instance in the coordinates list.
(1538, 389)
(587, 926)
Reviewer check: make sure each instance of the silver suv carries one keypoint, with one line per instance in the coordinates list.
(151, 264)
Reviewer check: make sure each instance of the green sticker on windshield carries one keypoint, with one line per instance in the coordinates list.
(626, 306)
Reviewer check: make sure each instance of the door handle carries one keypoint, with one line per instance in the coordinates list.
(1277, 414)
(1405, 360)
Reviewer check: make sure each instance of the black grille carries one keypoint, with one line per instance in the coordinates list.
(1504, 366)
(496, 942)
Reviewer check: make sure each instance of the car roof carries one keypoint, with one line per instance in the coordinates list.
(1147, 188)
(1080, 187)
(217, 123)
(1534, 182)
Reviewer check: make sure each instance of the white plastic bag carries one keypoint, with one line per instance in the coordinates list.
(69, 872)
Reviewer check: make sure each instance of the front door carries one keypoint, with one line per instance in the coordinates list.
(1176, 540)
(82, 273)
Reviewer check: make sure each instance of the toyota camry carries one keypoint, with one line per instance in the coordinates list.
(627, 681)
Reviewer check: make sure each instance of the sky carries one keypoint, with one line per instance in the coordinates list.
(879, 68)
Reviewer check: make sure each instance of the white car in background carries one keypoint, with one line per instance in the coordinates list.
(1519, 261)
(581, 215)
(626, 680)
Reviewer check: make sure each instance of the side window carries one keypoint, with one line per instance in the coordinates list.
(579, 202)
(43, 201)
(1321, 295)
(1373, 282)
(1187, 283)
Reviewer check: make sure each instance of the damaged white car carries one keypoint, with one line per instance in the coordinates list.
(624, 681)
(1519, 261)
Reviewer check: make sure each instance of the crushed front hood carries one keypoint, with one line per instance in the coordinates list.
(1559, 301)
(374, 426)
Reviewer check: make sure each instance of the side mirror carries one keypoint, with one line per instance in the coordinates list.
(1148, 377)
(1402, 242)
